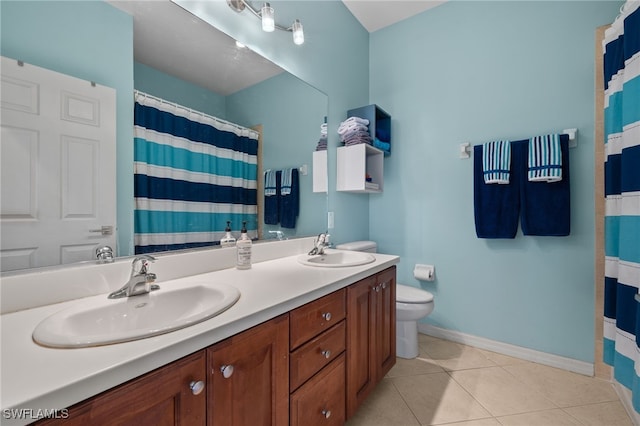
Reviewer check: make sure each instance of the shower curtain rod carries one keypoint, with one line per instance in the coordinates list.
(217, 120)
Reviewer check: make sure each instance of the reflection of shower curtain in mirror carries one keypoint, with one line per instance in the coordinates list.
(622, 189)
(192, 174)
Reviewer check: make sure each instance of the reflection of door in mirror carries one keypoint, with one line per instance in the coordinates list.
(70, 201)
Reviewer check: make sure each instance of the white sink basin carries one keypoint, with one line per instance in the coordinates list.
(337, 259)
(99, 321)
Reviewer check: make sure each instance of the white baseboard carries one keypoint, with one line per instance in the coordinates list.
(551, 360)
(625, 398)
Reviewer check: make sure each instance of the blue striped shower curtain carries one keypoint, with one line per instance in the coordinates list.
(192, 174)
(622, 190)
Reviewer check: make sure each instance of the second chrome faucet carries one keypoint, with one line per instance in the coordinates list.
(140, 280)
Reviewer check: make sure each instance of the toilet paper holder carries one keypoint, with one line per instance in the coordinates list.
(424, 272)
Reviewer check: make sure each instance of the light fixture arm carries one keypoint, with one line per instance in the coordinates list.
(240, 5)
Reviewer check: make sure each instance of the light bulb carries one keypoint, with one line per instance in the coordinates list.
(298, 34)
(268, 20)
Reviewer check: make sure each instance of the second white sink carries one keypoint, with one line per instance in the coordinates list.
(99, 321)
(337, 259)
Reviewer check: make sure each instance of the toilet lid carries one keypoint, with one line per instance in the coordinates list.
(407, 294)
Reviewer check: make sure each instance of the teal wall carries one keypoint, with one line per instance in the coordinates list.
(476, 72)
(70, 37)
(153, 82)
(334, 59)
(291, 113)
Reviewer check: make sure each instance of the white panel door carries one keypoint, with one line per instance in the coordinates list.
(58, 164)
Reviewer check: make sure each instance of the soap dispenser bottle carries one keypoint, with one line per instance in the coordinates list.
(228, 240)
(243, 249)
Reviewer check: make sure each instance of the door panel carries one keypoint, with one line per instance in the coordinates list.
(58, 153)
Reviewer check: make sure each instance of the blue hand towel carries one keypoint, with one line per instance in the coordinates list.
(271, 198)
(290, 202)
(546, 207)
(496, 207)
(270, 183)
(545, 159)
(496, 162)
(285, 182)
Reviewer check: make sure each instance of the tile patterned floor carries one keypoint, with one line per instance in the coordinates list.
(454, 384)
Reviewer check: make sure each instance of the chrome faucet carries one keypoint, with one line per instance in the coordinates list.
(320, 244)
(279, 235)
(140, 281)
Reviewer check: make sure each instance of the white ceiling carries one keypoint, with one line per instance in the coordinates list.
(179, 52)
(377, 14)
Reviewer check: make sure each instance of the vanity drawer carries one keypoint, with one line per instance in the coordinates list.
(321, 401)
(309, 358)
(315, 317)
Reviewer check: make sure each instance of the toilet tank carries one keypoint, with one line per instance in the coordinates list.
(367, 246)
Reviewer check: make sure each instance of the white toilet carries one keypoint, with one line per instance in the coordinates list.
(412, 304)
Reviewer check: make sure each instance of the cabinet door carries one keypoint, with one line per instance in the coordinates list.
(361, 338)
(320, 401)
(249, 377)
(162, 397)
(385, 356)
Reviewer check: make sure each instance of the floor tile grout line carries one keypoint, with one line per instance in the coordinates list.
(406, 403)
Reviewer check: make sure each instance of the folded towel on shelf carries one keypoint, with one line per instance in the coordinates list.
(496, 207)
(545, 159)
(385, 146)
(546, 207)
(496, 162)
(270, 183)
(285, 182)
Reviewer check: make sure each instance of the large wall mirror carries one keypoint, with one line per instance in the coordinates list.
(199, 67)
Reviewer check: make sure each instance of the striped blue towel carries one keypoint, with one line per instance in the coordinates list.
(269, 183)
(496, 161)
(545, 159)
(285, 182)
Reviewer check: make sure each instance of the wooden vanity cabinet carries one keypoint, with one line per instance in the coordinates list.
(312, 366)
(248, 377)
(371, 335)
(317, 367)
(161, 397)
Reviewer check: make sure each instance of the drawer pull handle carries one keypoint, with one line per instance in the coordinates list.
(326, 353)
(196, 387)
(326, 413)
(227, 371)
(327, 316)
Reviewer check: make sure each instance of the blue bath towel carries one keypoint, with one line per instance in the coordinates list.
(546, 207)
(545, 159)
(290, 201)
(496, 207)
(496, 162)
(271, 198)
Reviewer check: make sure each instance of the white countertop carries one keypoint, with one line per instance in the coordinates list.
(36, 377)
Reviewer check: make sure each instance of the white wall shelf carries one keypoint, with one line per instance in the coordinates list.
(320, 175)
(354, 164)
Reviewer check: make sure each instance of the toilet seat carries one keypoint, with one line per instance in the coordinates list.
(407, 294)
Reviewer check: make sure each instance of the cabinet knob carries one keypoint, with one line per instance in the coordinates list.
(384, 285)
(227, 371)
(326, 353)
(377, 289)
(196, 387)
(326, 413)
(327, 316)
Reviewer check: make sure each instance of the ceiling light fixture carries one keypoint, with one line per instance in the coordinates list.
(267, 16)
